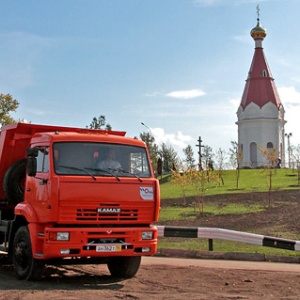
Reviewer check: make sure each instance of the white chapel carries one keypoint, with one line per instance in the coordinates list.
(260, 113)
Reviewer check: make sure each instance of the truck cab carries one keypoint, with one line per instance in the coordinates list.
(82, 196)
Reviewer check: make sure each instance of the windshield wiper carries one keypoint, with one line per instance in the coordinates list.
(127, 172)
(78, 169)
(105, 171)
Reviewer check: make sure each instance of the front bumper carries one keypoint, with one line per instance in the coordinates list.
(96, 242)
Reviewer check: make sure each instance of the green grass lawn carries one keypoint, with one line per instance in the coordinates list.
(251, 180)
(220, 246)
(180, 213)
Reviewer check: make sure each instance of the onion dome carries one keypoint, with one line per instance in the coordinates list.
(258, 32)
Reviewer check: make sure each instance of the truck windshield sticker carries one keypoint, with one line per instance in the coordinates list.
(146, 193)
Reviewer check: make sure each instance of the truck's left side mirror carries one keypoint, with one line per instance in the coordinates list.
(32, 153)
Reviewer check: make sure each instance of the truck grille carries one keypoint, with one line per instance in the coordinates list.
(92, 214)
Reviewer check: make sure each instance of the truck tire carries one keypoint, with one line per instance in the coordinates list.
(124, 267)
(14, 182)
(26, 267)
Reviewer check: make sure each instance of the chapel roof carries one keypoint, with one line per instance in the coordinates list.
(260, 86)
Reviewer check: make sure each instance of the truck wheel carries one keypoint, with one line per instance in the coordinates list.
(26, 267)
(124, 267)
(14, 182)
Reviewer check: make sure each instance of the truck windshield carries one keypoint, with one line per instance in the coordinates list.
(99, 159)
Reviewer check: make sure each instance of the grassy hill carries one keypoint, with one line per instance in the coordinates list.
(243, 209)
(250, 180)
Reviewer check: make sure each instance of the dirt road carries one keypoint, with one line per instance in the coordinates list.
(160, 278)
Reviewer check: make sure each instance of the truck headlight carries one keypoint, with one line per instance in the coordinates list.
(147, 235)
(63, 236)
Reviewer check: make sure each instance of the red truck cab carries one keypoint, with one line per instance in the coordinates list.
(77, 196)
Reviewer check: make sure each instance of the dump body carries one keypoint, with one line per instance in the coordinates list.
(73, 205)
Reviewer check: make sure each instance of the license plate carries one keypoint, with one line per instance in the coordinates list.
(108, 248)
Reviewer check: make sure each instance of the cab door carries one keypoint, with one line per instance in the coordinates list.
(38, 187)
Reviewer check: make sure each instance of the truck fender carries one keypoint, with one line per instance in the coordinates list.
(24, 214)
(27, 211)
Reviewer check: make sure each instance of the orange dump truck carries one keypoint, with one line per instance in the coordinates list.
(75, 196)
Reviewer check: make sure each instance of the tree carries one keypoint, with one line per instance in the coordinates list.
(235, 159)
(99, 123)
(152, 147)
(7, 105)
(271, 156)
(200, 180)
(207, 155)
(168, 156)
(183, 180)
(220, 157)
(189, 157)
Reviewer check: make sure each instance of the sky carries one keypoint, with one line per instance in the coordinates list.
(177, 66)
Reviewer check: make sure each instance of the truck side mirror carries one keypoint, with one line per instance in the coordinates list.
(32, 153)
(31, 166)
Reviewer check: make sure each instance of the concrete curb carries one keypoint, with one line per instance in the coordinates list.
(226, 255)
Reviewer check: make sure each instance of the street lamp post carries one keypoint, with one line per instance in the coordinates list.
(288, 135)
(149, 129)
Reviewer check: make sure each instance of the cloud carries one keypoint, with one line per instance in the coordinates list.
(289, 96)
(186, 94)
(235, 102)
(290, 99)
(177, 140)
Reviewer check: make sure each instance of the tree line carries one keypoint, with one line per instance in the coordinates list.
(164, 158)
(170, 160)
